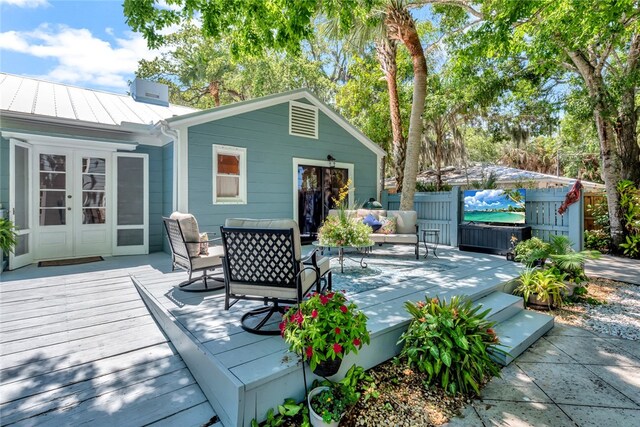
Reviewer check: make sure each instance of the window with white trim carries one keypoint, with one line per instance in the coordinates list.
(303, 120)
(229, 175)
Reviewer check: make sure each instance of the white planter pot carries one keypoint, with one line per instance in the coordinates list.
(315, 419)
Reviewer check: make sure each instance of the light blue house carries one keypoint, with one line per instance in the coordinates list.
(85, 173)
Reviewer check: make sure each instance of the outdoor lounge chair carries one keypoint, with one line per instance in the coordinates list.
(262, 262)
(186, 251)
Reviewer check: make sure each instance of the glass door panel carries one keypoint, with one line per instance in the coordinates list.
(53, 189)
(317, 187)
(131, 203)
(20, 203)
(94, 200)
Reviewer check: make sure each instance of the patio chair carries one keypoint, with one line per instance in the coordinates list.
(187, 251)
(262, 262)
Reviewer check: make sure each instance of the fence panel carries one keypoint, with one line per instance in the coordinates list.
(592, 199)
(443, 211)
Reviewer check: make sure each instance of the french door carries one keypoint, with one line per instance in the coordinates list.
(73, 217)
(20, 202)
(318, 186)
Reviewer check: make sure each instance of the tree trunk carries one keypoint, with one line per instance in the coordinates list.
(400, 26)
(439, 129)
(626, 130)
(214, 91)
(386, 50)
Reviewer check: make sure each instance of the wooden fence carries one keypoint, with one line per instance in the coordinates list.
(592, 199)
(443, 210)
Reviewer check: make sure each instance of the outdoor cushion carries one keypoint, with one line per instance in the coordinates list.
(372, 222)
(376, 213)
(204, 244)
(189, 227)
(377, 237)
(213, 257)
(406, 221)
(269, 223)
(388, 225)
(308, 276)
(400, 238)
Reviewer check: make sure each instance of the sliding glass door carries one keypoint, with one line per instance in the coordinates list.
(318, 186)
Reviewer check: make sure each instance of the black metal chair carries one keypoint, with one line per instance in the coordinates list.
(264, 264)
(184, 241)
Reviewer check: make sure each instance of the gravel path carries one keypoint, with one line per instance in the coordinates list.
(618, 317)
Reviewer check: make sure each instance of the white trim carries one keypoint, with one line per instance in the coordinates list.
(302, 105)
(138, 249)
(241, 199)
(297, 161)
(70, 142)
(257, 104)
(182, 171)
(22, 260)
(378, 178)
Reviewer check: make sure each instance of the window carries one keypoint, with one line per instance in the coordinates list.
(229, 174)
(303, 120)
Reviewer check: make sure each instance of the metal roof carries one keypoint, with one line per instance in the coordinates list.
(28, 95)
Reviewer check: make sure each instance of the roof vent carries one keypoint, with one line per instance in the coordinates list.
(303, 120)
(150, 92)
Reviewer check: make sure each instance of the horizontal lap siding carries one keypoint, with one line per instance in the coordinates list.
(167, 186)
(270, 153)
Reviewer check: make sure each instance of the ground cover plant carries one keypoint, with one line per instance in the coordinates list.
(450, 341)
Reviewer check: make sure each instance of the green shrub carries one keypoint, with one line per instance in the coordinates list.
(527, 251)
(598, 240)
(430, 187)
(7, 235)
(631, 246)
(450, 342)
(630, 209)
(567, 260)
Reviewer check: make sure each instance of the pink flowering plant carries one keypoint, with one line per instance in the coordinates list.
(324, 327)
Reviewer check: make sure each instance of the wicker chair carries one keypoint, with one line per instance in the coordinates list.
(184, 241)
(262, 262)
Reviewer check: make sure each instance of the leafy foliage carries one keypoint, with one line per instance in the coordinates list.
(598, 240)
(548, 285)
(630, 207)
(287, 410)
(7, 235)
(450, 342)
(324, 327)
(528, 251)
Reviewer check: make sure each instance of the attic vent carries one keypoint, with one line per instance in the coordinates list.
(303, 120)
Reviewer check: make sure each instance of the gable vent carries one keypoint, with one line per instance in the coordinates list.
(303, 120)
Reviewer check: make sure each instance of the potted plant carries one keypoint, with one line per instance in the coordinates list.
(328, 403)
(7, 239)
(541, 288)
(323, 329)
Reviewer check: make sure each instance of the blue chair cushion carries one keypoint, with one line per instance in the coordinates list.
(372, 222)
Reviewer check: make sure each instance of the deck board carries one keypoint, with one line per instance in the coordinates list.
(83, 349)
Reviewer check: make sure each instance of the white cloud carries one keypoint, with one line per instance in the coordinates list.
(484, 199)
(81, 58)
(26, 3)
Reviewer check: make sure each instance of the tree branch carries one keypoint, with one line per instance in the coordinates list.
(460, 3)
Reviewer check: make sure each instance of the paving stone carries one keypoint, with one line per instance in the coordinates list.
(625, 379)
(585, 416)
(630, 346)
(575, 385)
(544, 351)
(592, 350)
(467, 418)
(521, 414)
(564, 330)
(514, 385)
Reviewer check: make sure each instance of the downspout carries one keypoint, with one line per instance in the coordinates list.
(166, 130)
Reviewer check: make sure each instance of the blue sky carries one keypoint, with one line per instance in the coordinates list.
(84, 43)
(480, 200)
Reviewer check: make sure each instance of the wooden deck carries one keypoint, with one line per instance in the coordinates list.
(83, 349)
(244, 374)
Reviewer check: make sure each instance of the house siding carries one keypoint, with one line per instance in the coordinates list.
(270, 153)
(167, 184)
(4, 173)
(156, 195)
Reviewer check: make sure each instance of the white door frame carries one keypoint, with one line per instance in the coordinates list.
(27, 258)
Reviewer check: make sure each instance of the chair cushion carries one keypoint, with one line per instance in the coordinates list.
(400, 238)
(376, 213)
(269, 223)
(212, 259)
(189, 227)
(204, 244)
(308, 279)
(377, 237)
(324, 264)
(406, 221)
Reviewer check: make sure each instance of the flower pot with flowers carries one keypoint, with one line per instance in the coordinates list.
(328, 403)
(323, 329)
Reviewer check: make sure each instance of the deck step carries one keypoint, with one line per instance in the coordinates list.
(519, 332)
(503, 306)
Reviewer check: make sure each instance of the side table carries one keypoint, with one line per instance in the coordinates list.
(435, 234)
